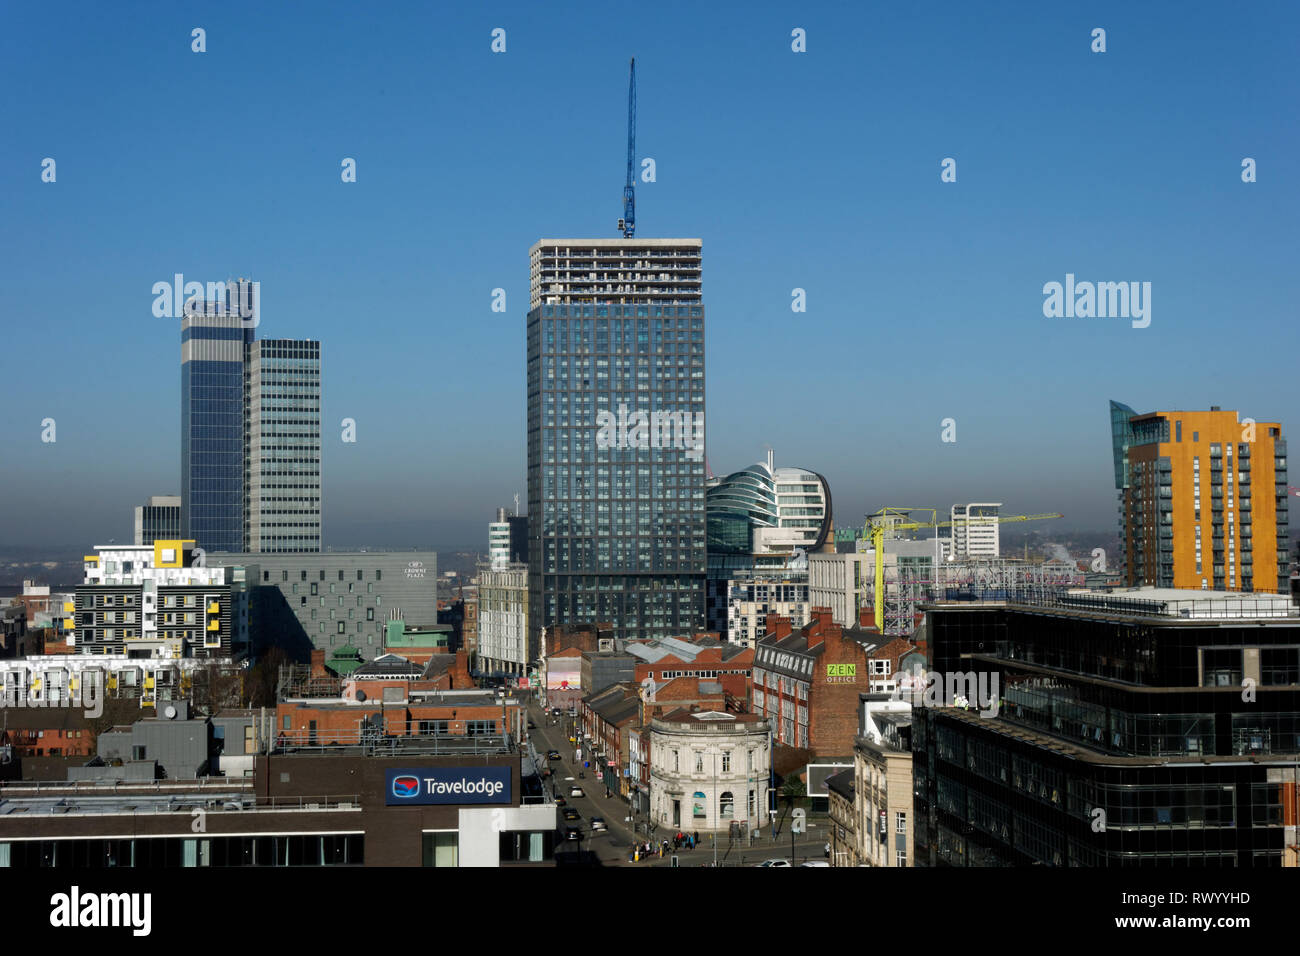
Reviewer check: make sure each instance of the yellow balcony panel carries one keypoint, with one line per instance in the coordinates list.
(90, 558)
(214, 608)
(68, 624)
(214, 625)
(69, 607)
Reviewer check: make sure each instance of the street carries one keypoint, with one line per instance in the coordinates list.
(613, 847)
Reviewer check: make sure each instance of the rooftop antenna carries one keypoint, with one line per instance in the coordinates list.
(628, 223)
(516, 504)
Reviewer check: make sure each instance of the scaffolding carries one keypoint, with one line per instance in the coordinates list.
(908, 585)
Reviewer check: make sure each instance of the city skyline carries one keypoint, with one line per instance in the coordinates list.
(906, 267)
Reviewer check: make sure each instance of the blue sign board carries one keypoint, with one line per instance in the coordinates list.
(423, 786)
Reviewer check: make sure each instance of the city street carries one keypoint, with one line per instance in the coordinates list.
(613, 847)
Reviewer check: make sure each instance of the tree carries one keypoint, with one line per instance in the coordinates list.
(264, 678)
(793, 789)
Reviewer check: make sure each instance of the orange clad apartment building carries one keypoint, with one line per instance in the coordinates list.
(1202, 500)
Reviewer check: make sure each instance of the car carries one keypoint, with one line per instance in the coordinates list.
(559, 800)
(598, 823)
(553, 755)
(576, 792)
(571, 814)
(531, 724)
(774, 863)
(573, 833)
(815, 863)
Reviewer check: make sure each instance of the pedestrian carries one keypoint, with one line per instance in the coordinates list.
(696, 838)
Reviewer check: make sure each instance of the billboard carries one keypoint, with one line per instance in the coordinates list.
(564, 673)
(425, 786)
(817, 774)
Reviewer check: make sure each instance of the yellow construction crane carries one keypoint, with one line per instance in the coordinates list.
(891, 519)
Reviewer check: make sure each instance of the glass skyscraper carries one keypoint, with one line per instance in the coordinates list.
(250, 433)
(213, 349)
(616, 435)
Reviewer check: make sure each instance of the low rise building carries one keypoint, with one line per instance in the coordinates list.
(445, 802)
(502, 622)
(751, 598)
(709, 771)
(162, 601)
(882, 827)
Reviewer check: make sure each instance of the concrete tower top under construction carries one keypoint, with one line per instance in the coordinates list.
(615, 271)
(616, 435)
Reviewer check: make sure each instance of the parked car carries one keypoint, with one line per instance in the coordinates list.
(774, 863)
(576, 792)
(815, 863)
(597, 823)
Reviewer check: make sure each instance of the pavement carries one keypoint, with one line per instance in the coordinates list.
(613, 846)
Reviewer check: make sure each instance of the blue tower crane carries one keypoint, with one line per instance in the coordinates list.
(628, 223)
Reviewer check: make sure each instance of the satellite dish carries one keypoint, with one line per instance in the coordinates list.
(361, 695)
(170, 712)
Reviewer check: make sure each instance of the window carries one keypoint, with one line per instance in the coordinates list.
(900, 822)
(441, 848)
(676, 767)
(341, 624)
(727, 805)
(699, 762)
(480, 728)
(726, 762)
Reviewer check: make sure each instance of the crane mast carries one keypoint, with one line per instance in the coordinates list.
(628, 223)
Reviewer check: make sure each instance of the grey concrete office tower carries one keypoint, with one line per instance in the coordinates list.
(158, 519)
(334, 599)
(615, 435)
(250, 430)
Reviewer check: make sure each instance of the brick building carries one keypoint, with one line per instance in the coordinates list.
(398, 712)
(807, 681)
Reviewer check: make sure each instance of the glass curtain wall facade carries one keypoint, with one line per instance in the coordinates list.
(616, 513)
(214, 351)
(1119, 740)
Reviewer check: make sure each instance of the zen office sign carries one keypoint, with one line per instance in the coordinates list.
(424, 786)
(841, 673)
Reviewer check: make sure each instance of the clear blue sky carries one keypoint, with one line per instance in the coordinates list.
(818, 170)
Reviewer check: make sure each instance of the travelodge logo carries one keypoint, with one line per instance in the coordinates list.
(410, 786)
(406, 786)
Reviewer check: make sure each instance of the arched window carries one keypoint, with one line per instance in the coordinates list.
(727, 803)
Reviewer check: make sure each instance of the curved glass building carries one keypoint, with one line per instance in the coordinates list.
(756, 519)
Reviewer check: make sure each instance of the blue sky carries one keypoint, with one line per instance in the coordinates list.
(818, 170)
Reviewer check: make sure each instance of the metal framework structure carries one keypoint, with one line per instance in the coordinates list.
(971, 579)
